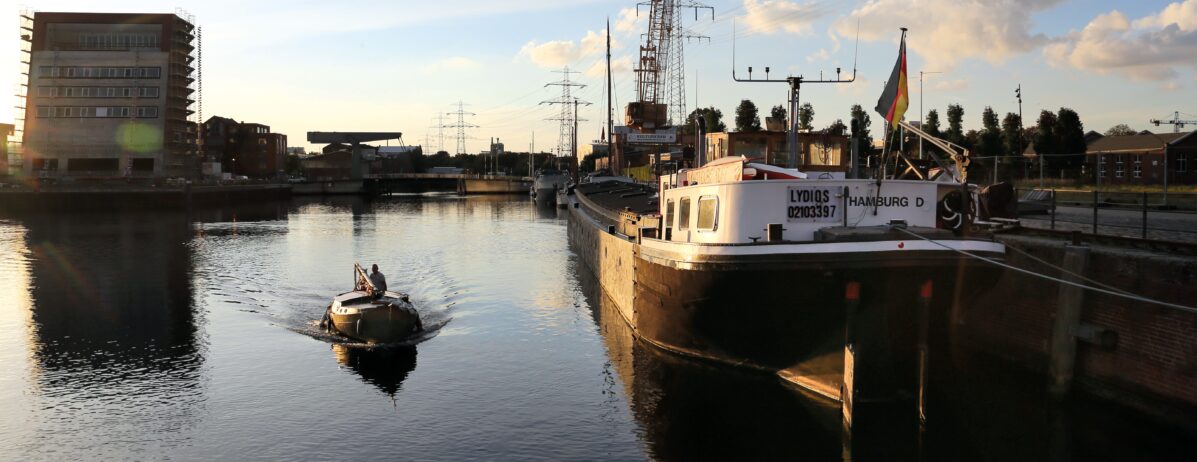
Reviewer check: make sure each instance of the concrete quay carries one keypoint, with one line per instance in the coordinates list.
(136, 197)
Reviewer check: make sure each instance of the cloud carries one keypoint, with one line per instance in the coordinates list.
(944, 32)
(455, 63)
(557, 53)
(858, 88)
(821, 55)
(1148, 49)
(772, 16)
(949, 85)
(618, 65)
(628, 20)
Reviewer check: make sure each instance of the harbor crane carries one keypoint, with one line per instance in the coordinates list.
(1176, 122)
(648, 112)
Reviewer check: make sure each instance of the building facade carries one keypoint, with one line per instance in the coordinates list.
(110, 95)
(245, 148)
(819, 151)
(1143, 158)
(5, 130)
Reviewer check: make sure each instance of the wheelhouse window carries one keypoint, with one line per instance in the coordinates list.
(669, 206)
(683, 213)
(708, 213)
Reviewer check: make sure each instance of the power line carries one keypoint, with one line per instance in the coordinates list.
(461, 126)
(568, 119)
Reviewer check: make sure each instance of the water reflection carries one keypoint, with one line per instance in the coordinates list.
(115, 338)
(385, 368)
(693, 411)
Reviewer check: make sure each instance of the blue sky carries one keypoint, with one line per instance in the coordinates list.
(394, 66)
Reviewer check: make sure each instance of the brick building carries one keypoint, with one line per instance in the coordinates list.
(245, 148)
(1143, 158)
(110, 95)
(820, 151)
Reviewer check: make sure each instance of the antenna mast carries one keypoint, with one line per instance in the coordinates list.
(795, 84)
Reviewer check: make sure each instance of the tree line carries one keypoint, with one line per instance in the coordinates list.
(1059, 136)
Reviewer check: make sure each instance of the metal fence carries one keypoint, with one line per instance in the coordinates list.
(1144, 215)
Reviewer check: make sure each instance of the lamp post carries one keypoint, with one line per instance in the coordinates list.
(923, 115)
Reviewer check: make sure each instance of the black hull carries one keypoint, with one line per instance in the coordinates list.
(786, 314)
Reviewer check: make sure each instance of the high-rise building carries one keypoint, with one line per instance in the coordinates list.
(110, 95)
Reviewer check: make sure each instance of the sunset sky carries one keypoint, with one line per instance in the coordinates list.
(303, 66)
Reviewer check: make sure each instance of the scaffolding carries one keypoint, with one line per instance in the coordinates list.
(16, 139)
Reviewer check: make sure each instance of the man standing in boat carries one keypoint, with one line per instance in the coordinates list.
(379, 281)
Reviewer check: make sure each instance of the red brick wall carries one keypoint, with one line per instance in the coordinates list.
(1156, 354)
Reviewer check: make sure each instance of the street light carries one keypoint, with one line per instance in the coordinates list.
(922, 115)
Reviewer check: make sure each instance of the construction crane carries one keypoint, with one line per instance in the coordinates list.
(647, 112)
(1176, 122)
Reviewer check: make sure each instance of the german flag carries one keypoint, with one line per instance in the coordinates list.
(895, 98)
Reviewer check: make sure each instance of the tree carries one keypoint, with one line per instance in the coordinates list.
(806, 114)
(1013, 135)
(713, 118)
(1014, 139)
(836, 128)
(989, 141)
(747, 119)
(778, 112)
(1120, 130)
(1045, 140)
(864, 140)
(955, 131)
(1071, 134)
(931, 125)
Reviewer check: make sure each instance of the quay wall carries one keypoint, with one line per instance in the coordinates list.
(137, 198)
(1135, 353)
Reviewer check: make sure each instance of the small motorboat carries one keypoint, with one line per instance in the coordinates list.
(371, 315)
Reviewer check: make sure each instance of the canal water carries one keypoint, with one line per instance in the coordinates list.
(138, 335)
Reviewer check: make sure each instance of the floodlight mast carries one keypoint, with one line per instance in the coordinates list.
(795, 84)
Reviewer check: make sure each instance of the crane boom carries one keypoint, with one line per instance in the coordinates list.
(958, 153)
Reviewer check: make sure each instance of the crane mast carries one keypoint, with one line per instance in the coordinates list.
(648, 112)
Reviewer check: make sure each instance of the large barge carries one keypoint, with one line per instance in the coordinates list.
(818, 280)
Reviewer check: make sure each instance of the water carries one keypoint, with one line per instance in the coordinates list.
(167, 336)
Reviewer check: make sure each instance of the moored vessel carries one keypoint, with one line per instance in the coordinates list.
(817, 278)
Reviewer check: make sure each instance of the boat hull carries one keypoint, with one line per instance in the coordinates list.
(783, 313)
(378, 323)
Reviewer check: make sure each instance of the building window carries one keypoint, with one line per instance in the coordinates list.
(1118, 170)
(708, 213)
(683, 214)
(1138, 172)
(73, 72)
(1181, 160)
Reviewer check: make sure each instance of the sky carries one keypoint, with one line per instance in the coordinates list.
(302, 66)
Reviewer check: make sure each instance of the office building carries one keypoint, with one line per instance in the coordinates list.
(110, 95)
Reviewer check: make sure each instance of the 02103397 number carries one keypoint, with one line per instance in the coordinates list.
(816, 212)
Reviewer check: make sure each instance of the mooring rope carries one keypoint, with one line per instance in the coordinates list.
(1127, 295)
(1066, 271)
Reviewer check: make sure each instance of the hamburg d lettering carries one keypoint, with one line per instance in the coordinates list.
(883, 201)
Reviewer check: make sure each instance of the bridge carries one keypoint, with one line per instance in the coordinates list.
(386, 183)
